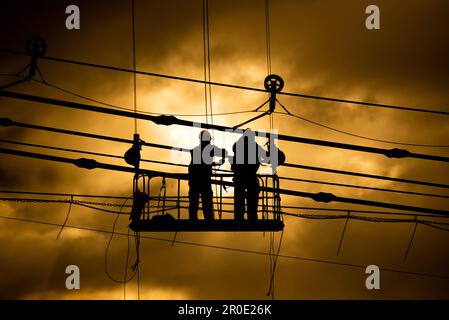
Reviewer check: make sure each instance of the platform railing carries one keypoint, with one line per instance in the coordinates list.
(167, 195)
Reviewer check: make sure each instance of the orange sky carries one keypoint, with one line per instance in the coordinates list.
(319, 48)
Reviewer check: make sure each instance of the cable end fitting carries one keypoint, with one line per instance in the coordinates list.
(324, 197)
(86, 163)
(6, 122)
(397, 153)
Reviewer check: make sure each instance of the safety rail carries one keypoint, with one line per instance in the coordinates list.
(162, 203)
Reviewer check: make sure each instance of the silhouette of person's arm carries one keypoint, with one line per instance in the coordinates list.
(220, 153)
(262, 154)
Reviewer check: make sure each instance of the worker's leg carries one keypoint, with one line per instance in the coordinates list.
(206, 200)
(239, 200)
(194, 195)
(253, 198)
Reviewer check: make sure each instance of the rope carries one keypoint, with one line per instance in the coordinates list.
(134, 63)
(267, 35)
(300, 95)
(361, 136)
(362, 218)
(411, 239)
(136, 266)
(67, 217)
(126, 267)
(167, 120)
(207, 78)
(12, 84)
(204, 245)
(271, 258)
(125, 280)
(343, 233)
(138, 110)
(208, 64)
(162, 189)
(205, 56)
(242, 112)
(271, 288)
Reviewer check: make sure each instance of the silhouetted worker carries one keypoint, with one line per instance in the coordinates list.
(200, 174)
(248, 155)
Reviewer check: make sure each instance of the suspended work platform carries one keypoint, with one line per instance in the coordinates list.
(161, 204)
(220, 225)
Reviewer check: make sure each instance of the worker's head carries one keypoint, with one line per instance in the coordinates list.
(205, 137)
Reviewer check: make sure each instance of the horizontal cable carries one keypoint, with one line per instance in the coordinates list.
(171, 120)
(78, 195)
(159, 75)
(88, 152)
(12, 84)
(366, 188)
(184, 199)
(421, 274)
(319, 197)
(366, 175)
(357, 135)
(140, 111)
(87, 204)
(303, 208)
(242, 112)
(94, 205)
(175, 199)
(184, 165)
(362, 218)
(6, 122)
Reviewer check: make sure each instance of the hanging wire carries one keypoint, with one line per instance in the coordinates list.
(235, 113)
(411, 239)
(66, 217)
(358, 135)
(12, 84)
(134, 63)
(343, 233)
(273, 273)
(208, 63)
(207, 78)
(272, 257)
(184, 165)
(52, 85)
(240, 250)
(126, 266)
(267, 35)
(205, 57)
(300, 95)
(136, 265)
(125, 280)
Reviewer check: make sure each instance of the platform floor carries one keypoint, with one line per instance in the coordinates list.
(223, 225)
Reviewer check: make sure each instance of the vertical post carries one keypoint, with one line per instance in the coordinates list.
(147, 184)
(278, 199)
(221, 197)
(145, 212)
(165, 193)
(273, 203)
(266, 199)
(179, 202)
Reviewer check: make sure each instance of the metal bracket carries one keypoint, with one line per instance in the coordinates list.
(36, 47)
(273, 84)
